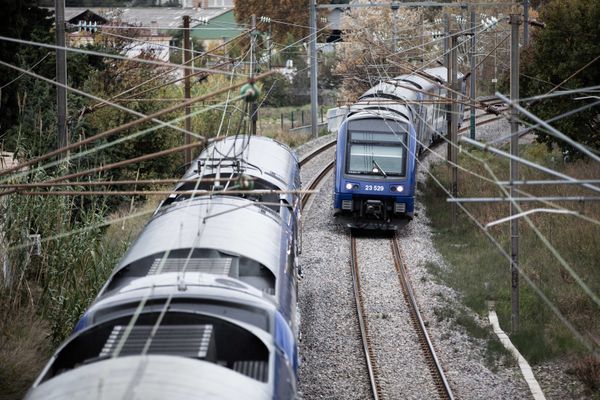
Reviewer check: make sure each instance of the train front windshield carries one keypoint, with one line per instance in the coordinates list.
(379, 150)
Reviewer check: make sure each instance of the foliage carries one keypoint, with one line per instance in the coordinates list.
(365, 57)
(277, 89)
(19, 19)
(558, 56)
(294, 14)
(59, 274)
(480, 272)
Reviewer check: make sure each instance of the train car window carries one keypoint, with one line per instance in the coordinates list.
(376, 147)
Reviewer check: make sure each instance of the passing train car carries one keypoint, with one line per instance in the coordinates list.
(203, 304)
(378, 145)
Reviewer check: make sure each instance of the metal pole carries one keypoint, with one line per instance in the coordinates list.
(449, 116)
(446, 40)
(423, 39)
(495, 60)
(314, 100)
(526, 22)
(454, 123)
(449, 76)
(395, 6)
(187, 153)
(472, 61)
(61, 75)
(515, 21)
(253, 108)
(270, 44)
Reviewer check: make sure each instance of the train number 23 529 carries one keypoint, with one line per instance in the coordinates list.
(375, 188)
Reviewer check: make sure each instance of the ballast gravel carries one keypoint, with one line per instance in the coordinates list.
(398, 354)
(333, 365)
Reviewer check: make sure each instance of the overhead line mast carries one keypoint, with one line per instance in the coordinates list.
(314, 100)
(61, 76)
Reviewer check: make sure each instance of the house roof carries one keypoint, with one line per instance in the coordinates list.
(161, 17)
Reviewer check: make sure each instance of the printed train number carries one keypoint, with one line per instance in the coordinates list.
(374, 188)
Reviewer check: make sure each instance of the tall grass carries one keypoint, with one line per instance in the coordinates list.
(481, 273)
(50, 279)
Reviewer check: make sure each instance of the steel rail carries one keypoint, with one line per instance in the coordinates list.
(361, 313)
(317, 151)
(315, 182)
(435, 367)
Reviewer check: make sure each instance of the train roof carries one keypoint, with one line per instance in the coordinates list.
(237, 230)
(208, 293)
(420, 82)
(380, 108)
(439, 72)
(154, 377)
(179, 334)
(257, 156)
(390, 91)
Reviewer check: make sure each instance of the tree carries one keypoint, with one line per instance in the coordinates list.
(293, 13)
(365, 56)
(559, 53)
(19, 19)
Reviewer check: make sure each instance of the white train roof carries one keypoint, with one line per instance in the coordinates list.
(154, 377)
(258, 156)
(229, 224)
(187, 284)
(389, 90)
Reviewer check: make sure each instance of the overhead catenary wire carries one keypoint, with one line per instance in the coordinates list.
(128, 125)
(91, 96)
(550, 129)
(198, 192)
(164, 73)
(110, 55)
(535, 288)
(24, 71)
(104, 146)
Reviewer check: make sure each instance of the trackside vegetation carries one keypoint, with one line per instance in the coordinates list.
(478, 270)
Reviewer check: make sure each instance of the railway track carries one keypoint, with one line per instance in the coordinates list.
(373, 371)
(437, 372)
(314, 183)
(426, 347)
(317, 151)
(438, 378)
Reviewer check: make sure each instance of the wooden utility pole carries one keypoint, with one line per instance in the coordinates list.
(61, 75)
(515, 22)
(187, 153)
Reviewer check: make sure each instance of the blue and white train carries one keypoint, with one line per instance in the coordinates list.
(378, 145)
(203, 304)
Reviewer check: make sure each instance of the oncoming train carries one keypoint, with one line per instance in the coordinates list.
(204, 303)
(377, 148)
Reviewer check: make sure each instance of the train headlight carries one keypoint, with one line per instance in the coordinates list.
(348, 186)
(398, 188)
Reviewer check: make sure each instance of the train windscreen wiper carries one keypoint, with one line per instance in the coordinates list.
(379, 169)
